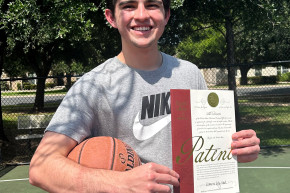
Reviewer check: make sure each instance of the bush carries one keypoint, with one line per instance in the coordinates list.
(262, 80)
(285, 77)
(4, 86)
(33, 86)
(28, 86)
(49, 85)
(19, 87)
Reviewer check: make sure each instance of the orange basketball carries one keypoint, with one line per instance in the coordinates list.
(105, 153)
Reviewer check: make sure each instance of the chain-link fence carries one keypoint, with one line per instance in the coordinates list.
(263, 96)
(22, 125)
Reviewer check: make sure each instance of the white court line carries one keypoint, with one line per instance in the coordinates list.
(12, 180)
(264, 167)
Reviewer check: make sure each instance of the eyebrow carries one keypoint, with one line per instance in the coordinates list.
(134, 1)
(126, 2)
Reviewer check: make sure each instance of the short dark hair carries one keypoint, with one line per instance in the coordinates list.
(111, 4)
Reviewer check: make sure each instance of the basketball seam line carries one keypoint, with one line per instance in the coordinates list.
(81, 151)
(114, 149)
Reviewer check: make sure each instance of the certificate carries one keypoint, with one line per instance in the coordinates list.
(203, 122)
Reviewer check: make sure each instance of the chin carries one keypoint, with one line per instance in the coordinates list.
(144, 45)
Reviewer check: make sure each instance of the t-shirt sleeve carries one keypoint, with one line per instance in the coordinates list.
(202, 84)
(75, 115)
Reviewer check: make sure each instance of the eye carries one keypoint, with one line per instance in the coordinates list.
(128, 7)
(153, 6)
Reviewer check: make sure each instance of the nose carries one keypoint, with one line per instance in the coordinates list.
(141, 13)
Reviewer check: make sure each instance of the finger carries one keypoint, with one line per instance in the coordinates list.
(160, 188)
(162, 169)
(243, 134)
(247, 158)
(247, 142)
(253, 150)
(167, 179)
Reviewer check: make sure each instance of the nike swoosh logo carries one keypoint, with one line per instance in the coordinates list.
(142, 132)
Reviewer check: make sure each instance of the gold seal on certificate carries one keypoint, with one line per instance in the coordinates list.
(213, 99)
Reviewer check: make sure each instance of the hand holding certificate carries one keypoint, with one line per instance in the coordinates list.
(203, 122)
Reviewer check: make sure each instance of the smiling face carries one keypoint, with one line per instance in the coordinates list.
(140, 22)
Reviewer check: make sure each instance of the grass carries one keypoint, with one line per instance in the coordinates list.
(33, 92)
(27, 108)
(272, 123)
(280, 99)
(249, 85)
(268, 116)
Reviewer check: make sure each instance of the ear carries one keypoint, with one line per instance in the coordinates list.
(110, 18)
(167, 16)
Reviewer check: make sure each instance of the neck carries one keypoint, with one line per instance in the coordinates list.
(141, 58)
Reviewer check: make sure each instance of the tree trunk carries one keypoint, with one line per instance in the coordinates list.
(41, 62)
(2, 53)
(244, 73)
(68, 82)
(42, 67)
(230, 63)
(39, 98)
(2, 133)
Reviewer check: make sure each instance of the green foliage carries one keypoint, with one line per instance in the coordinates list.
(19, 86)
(74, 67)
(49, 85)
(204, 47)
(34, 24)
(28, 86)
(175, 4)
(285, 77)
(15, 67)
(4, 86)
(267, 40)
(39, 32)
(262, 80)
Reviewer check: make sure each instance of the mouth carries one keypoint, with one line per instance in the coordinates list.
(142, 29)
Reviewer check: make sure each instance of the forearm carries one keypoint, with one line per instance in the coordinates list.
(59, 174)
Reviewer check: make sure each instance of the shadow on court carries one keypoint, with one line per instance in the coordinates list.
(270, 173)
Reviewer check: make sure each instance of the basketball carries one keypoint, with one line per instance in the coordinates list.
(105, 153)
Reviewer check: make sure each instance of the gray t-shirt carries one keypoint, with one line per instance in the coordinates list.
(129, 104)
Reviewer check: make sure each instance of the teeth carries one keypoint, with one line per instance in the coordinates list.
(141, 28)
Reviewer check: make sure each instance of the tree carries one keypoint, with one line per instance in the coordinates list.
(3, 45)
(225, 17)
(40, 29)
(268, 41)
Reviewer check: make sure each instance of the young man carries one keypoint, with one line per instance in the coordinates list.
(126, 97)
